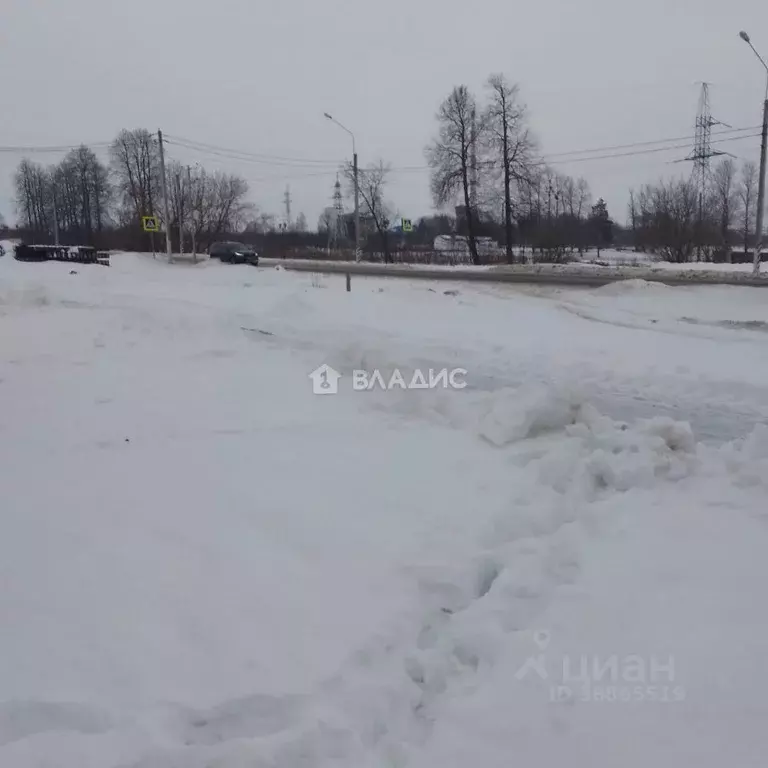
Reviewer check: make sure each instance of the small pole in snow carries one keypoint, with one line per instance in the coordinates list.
(349, 282)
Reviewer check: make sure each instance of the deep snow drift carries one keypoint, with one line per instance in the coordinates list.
(204, 564)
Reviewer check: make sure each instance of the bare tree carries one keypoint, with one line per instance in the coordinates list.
(301, 223)
(450, 156)
(583, 197)
(668, 219)
(726, 199)
(748, 199)
(82, 193)
(136, 168)
(632, 210)
(325, 222)
(371, 182)
(208, 204)
(510, 146)
(34, 196)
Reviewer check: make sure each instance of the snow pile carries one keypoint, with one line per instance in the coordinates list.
(517, 414)
(747, 459)
(632, 285)
(601, 455)
(8, 246)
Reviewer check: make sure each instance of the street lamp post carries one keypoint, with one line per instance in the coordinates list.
(763, 152)
(358, 254)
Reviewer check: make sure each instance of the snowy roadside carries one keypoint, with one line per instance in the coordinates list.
(587, 274)
(207, 565)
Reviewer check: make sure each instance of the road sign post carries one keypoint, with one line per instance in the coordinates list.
(150, 223)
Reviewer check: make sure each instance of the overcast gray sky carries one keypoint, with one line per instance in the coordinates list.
(258, 75)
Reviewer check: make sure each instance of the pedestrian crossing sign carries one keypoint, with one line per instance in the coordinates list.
(407, 225)
(150, 223)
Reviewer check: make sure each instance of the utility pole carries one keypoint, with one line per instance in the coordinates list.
(763, 152)
(356, 174)
(55, 219)
(166, 207)
(358, 253)
(180, 198)
(761, 188)
(191, 216)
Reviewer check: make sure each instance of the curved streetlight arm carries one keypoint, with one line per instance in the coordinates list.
(745, 37)
(343, 128)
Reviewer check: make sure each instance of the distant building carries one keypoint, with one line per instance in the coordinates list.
(487, 247)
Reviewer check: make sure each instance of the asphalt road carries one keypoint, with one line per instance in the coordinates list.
(550, 274)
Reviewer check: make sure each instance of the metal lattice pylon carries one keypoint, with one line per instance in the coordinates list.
(702, 151)
(337, 230)
(701, 155)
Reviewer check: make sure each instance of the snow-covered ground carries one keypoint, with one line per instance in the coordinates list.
(629, 258)
(204, 565)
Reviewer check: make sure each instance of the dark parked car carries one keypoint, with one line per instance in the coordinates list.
(234, 253)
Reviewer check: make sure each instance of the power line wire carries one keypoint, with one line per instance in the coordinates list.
(59, 148)
(268, 159)
(545, 160)
(646, 151)
(648, 143)
(331, 167)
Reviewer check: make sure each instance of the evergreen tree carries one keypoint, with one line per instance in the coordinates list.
(600, 225)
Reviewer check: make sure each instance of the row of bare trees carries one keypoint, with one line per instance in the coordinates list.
(680, 222)
(485, 157)
(74, 195)
(82, 197)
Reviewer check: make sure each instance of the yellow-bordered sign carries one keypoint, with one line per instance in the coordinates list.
(150, 223)
(407, 225)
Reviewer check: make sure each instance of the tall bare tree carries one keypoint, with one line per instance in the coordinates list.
(371, 182)
(136, 168)
(450, 156)
(748, 198)
(82, 193)
(510, 146)
(633, 213)
(34, 197)
(726, 199)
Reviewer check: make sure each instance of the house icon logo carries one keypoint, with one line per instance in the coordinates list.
(325, 380)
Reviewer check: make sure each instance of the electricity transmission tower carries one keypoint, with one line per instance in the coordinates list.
(337, 230)
(700, 157)
(287, 201)
(473, 179)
